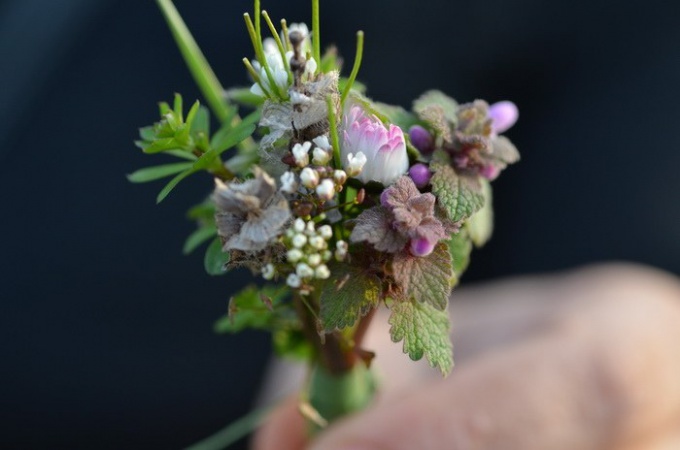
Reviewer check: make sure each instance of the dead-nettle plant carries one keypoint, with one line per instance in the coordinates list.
(342, 204)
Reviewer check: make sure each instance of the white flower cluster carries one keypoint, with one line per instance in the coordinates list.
(307, 252)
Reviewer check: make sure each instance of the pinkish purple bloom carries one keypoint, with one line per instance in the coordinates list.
(421, 246)
(420, 174)
(384, 148)
(503, 115)
(421, 139)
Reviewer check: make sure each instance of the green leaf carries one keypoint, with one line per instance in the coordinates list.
(172, 183)
(352, 295)
(248, 310)
(201, 123)
(157, 172)
(425, 332)
(161, 145)
(147, 133)
(426, 279)
(396, 115)
(198, 66)
(215, 259)
(183, 154)
(198, 237)
(460, 195)
(229, 136)
(480, 225)
(292, 343)
(203, 212)
(460, 248)
(243, 96)
(439, 100)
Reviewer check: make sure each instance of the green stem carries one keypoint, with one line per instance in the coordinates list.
(355, 68)
(316, 32)
(335, 140)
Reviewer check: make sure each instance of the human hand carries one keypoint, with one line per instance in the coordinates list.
(585, 360)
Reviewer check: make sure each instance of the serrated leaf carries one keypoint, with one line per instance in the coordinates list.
(157, 172)
(215, 259)
(460, 248)
(172, 184)
(425, 332)
(480, 225)
(198, 237)
(426, 279)
(460, 195)
(448, 106)
(353, 294)
(248, 310)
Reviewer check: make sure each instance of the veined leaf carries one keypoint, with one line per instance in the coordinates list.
(480, 225)
(215, 258)
(352, 296)
(157, 172)
(460, 195)
(460, 248)
(247, 309)
(198, 237)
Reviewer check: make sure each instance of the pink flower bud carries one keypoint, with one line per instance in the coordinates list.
(420, 174)
(503, 115)
(490, 172)
(421, 139)
(421, 247)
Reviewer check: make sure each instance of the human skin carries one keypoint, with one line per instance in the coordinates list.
(586, 360)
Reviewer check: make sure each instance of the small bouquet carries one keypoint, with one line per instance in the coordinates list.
(342, 204)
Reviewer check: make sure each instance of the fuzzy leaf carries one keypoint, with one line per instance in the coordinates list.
(352, 296)
(248, 310)
(460, 195)
(426, 279)
(447, 105)
(157, 172)
(215, 260)
(374, 226)
(425, 331)
(480, 225)
(460, 248)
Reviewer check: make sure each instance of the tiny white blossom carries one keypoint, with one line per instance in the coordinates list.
(301, 154)
(322, 272)
(304, 271)
(314, 259)
(326, 189)
(310, 230)
(293, 281)
(309, 178)
(299, 225)
(341, 248)
(340, 176)
(322, 142)
(320, 157)
(288, 183)
(293, 255)
(299, 240)
(326, 231)
(318, 242)
(355, 163)
(268, 271)
(298, 98)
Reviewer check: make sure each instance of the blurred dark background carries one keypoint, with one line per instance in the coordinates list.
(106, 328)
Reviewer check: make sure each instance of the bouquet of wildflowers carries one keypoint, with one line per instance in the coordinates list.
(342, 204)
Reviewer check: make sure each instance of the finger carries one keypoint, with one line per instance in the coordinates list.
(597, 382)
(283, 430)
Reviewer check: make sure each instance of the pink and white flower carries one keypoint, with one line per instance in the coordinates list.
(384, 148)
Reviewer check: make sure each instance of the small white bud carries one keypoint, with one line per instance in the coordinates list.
(298, 98)
(309, 178)
(326, 231)
(322, 272)
(326, 189)
(322, 141)
(268, 271)
(355, 163)
(310, 229)
(290, 233)
(318, 242)
(301, 154)
(304, 271)
(340, 176)
(293, 255)
(341, 248)
(326, 255)
(320, 157)
(288, 183)
(299, 240)
(293, 281)
(314, 259)
(299, 225)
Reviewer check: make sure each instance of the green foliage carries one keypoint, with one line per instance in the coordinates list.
(291, 343)
(437, 100)
(243, 96)
(260, 309)
(426, 279)
(198, 237)
(157, 172)
(353, 294)
(480, 225)
(460, 248)
(425, 332)
(215, 259)
(460, 195)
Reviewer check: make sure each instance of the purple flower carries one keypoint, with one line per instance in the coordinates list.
(421, 247)
(384, 148)
(421, 139)
(503, 115)
(420, 174)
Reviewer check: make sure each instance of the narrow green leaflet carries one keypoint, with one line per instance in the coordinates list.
(174, 182)
(247, 309)
(160, 145)
(425, 279)
(215, 259)
(425, 331)
(353, 295)
(480, 225)
(157, 172)
(243, 96)
(198, 237)
(201, 122)
(460, 195)
(460, 247)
